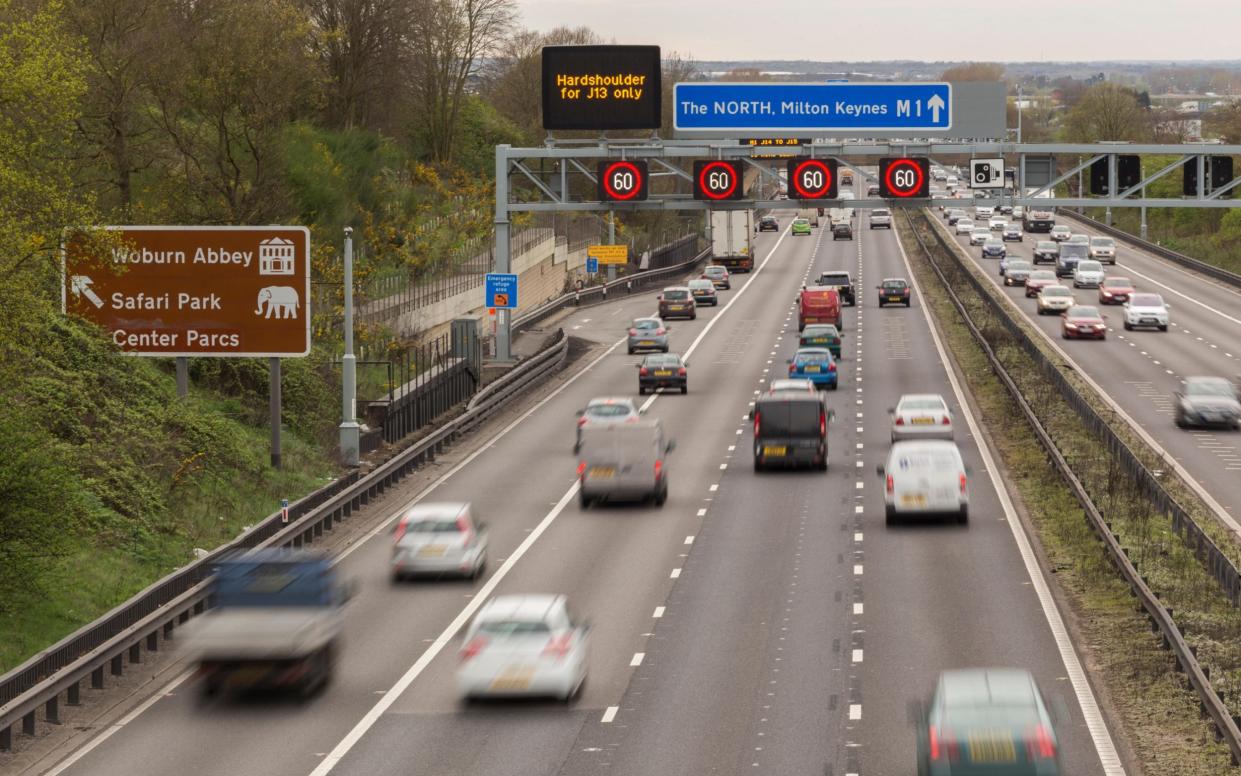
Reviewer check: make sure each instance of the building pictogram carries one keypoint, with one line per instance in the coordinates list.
(277, 257)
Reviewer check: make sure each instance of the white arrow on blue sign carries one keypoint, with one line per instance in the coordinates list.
(826, 107)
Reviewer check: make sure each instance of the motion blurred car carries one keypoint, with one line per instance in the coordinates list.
(604, 412)
(963, 226)
(983, 212)
(1016, 271)
(993, 248)
(880, 218)
(986, 722)
(1006, 209)
(524, 645)
(979, 236)
(1208, 401)
(1077, 238)
(703, 291)
(997, 223)
(872, 190)
(1038, 280)
(1054, 299)
(1083, 322)
(1046, 250)
(625, 462)
(840, 280)
(797, 386)
(821, 335)
(1103, 249)
(647, 334)
(801, 226)
(955, 214)
(1060, 233)
(893, 291)
(1018, 213)
(815, 365)
(1088, 274)
(768, 224)
(1146, 310)
(1115, 290)
(925, 477)
(790, 429)
(438, 539)
(719, 276)
(664, 370)
(1071, 254)
(677, 301)
(921, 416)
(842, 230)
(1012, 233)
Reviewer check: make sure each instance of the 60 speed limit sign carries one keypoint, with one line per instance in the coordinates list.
(906, 177)
(622, 180)
(812, 179)
(718, 180)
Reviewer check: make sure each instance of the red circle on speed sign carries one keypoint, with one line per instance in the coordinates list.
(622, 194)
(904, 191)
(730, 174)
(807, 166)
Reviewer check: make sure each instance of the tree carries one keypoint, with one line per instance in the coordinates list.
(1224, 122)
(676, 67)
(974, 71)
(513, 80)
(448, 40)
(233, 75)
(1107, 112)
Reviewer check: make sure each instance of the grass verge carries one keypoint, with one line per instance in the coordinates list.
(1155, 706)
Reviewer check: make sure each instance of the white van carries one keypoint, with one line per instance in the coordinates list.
(952, 183)
(626, 461)
(925, 477)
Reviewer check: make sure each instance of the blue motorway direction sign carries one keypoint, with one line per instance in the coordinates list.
(827, 107)
(592, 265)
(502, 290)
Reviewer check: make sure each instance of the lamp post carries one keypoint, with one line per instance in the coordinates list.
(349, 430)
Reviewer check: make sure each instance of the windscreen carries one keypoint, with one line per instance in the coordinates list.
(646, 324)
(790, 418)
(608, 410)
(272, 584)
(511, 628)
(1146, 300)
(1209, 388)
(675, 295)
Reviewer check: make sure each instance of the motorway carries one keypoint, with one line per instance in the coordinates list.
(1141, 369)
(757, 623)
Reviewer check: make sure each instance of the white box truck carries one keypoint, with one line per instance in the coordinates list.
(732, 233)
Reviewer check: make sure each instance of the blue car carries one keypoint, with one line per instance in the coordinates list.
(815, 365)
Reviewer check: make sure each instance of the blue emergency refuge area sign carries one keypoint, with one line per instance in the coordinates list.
(501, 290)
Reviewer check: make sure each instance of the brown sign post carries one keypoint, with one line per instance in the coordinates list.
(196, 290)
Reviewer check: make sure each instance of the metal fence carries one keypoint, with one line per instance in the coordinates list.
(1206, 551)
(427, 380)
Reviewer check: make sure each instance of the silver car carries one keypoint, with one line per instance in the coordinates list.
(1088, 274)
(921, 416)
(925, 477)
(1103, 249)
(979, 236)
(605, 412)
(1060, 233)
(524, 645)
(624, 462)
(1208, 401)
(648, 334)
(1012, 233)
(438, 539)
(1054, 299)
(963, 226)
(880, 217)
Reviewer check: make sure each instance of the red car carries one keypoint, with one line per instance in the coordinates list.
(1082, 322)
(1115, 290)
(1037, 280)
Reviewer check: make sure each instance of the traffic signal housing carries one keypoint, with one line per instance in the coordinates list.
(1128, 174)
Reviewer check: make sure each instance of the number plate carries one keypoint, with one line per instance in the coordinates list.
(513, 679)
(810, 368)
(923, 421)
(817, 341)
(776, 450)
(896, 299)
(913, 500)
(602, 472)
(992, 749)
(663, 372)
(676, 307)
(432, 551)
(647, 342)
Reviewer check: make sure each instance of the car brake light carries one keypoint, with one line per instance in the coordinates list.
(681, 372)
(661, 331)
(558, 647)
(463, 526)
(581, 468)
(933, 733)
(792, 368)
(1040, 745)
(401, 528)
(891, 484)
(946, 421)
(900, 421)
(581, 421)
(472, 648)
(822, 423)
(659, 468)
(633, 332)
(644, 371)
(758, 420)
(963, 482)
(831, 367)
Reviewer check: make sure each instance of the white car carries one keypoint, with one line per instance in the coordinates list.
(1012, 233)
(438, 539)
(1019, 212)
(997, 223)
(524, 645)
(964, 226)
(979, 236)
(983, 211)
(1060, 233)
(619, 409)
(921, 416)
(925, 477)
(952, 182)
(1088, 274)
(1103, 249)
(1146, 310)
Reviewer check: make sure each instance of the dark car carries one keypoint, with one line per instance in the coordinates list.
(677, 301)
(893, 291)
(840, 280)
(994, 249)
(768, 224)
(790, 429)
(703, 291)
(1046, 250)
(842, 230)
(872, 190)
(1208, 401)
(663, 370)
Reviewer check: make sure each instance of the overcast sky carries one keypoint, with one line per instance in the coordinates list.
(930, 30)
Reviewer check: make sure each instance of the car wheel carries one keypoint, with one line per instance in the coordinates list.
(684, 389)
(823, 464)
(397, 578)
(835, 386)
(1128, 326)
(641, 392)
(583, 500)
(694, 317)
(665, 348)
(889, 516)
(479, 568)
(907, 304)
(1164, 327)
(963, 516)
(577, 447)
(661, 496)
(631, 351)
(881, 303)
(758, 464)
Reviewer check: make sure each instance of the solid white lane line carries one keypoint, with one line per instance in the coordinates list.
(609, 714)
(1105, 747)
(1203, 305)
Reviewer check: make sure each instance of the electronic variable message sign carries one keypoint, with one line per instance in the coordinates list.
(195, 290)
(601, 87)
(622, 180)
(718, 180)
(905, 177)
(812, 179)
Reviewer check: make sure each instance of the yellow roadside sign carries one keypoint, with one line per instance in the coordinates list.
(609, 254)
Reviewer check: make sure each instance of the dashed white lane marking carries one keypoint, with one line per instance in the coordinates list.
(858, 509)
(659, 612)
(857, 608)
(857, 656)
(723, 466)
(675, 573)
(859, 464)
(857, 537)
(689, 539)
(859, 485)
(637, 659)
(609, 714)
(702, 512)
(714, 487)
(857, 569)
(855, 711)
